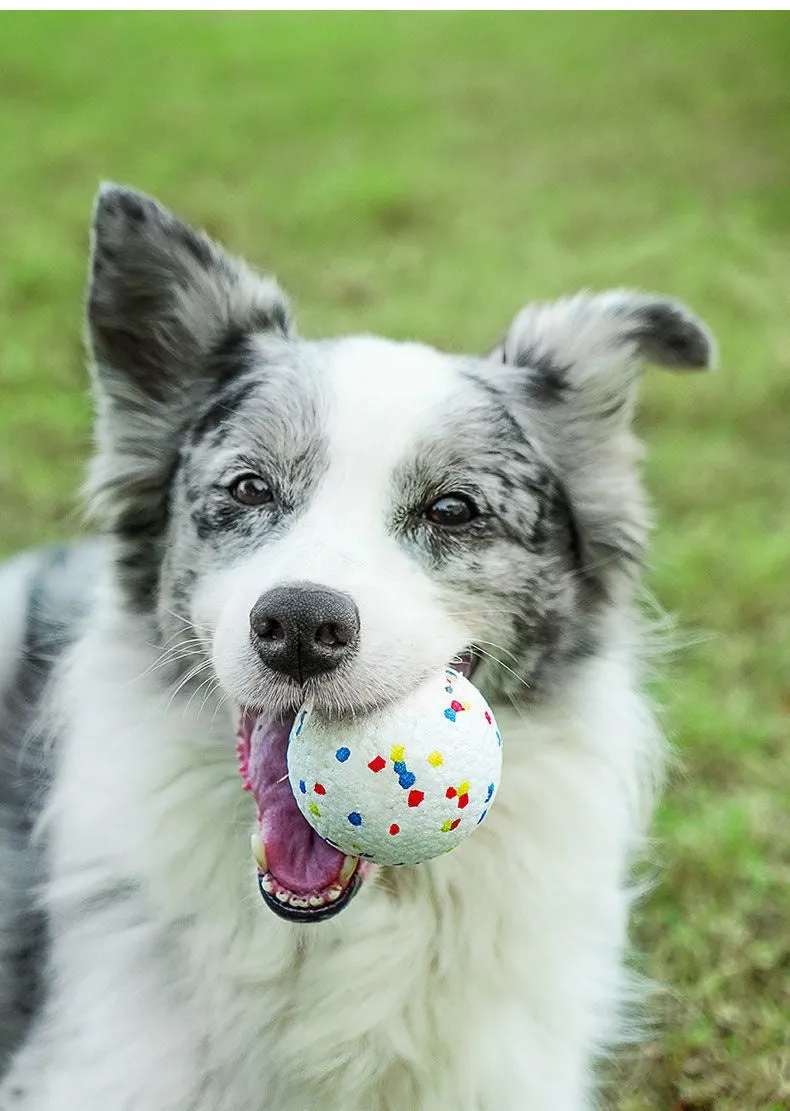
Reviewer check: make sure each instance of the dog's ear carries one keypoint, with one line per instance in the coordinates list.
(169, 318)
(587, 351)
(577, 363)
(162, 297)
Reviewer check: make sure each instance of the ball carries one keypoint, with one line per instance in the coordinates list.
(404, 783)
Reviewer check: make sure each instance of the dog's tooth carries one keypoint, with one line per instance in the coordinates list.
(268, 885)
(259, 852)
(297, 901)
(316, 900)
(283, 896)
(334, 893)
(349, 867)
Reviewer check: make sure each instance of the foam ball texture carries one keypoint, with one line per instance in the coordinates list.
(402, 784)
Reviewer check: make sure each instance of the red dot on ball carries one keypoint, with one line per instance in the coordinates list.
(319, 789)
(394, 828)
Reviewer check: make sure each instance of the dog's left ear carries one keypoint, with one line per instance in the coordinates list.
(576, 364)
(588, 350)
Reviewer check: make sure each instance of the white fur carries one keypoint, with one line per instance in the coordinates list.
(480, 981)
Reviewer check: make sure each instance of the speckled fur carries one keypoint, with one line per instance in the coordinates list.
(487, 980)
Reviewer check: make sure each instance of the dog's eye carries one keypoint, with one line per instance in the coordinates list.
(250, 489)
(451, 511)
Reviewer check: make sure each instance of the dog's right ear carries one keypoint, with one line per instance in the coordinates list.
(170, 315)
(162, 297)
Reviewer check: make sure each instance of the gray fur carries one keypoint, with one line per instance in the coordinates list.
(579, 362)
(267, 417)
(164, 304)
(520, 559)
(50, 590)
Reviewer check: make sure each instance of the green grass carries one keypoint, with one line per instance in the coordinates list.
(425, 175)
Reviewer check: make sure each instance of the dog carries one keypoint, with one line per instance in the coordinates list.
(282, 518)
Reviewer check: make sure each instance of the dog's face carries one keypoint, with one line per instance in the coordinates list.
(341, 519)
(380, 491)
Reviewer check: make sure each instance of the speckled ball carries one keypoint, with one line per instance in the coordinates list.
(402, 784)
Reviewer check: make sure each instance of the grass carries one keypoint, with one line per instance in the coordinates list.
(425, 175)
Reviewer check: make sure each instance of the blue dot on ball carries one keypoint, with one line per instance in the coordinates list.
(479, 820)
(355, 818)
(303, 786)
(450, 713)
(343, 754)
(407, 780)
(399, 766)
(490, 792)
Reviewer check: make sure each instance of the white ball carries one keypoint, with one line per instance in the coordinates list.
(404, 783)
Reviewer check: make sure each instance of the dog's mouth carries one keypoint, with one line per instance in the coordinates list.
(301, 877)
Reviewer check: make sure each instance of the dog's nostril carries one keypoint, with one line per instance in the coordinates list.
(331, 636)
(270, 629)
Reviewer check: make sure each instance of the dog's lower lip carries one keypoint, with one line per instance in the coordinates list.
(310, 914)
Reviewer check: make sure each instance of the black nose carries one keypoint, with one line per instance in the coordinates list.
(302, 630)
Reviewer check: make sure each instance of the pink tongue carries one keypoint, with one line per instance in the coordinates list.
(297, 857)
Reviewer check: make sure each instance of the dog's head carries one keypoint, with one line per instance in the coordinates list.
(342, 518)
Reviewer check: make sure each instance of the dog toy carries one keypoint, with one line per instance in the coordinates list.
(402, 784)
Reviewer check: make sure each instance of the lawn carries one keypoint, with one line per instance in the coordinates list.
(424, 175)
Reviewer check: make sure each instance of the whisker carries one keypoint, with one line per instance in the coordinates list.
(192, 624)
(170, 655)
(191, 674)
(504, 666)
(212, 690)
(222, 701)
(498, 647)
(213, 686)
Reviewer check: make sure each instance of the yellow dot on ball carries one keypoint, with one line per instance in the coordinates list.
(314, 810)
(463, 787)
(435, 758)
(397, 753)
(446, 826)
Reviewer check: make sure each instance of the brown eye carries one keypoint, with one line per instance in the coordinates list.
(451, 511)
(250, 489)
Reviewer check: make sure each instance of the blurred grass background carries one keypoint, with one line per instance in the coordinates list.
(424, 175)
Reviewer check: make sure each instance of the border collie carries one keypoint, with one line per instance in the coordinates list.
(283, 517)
